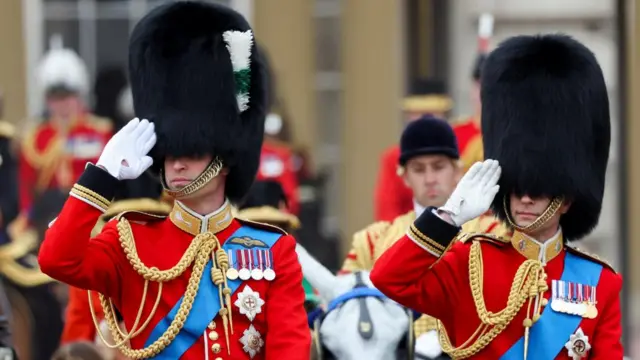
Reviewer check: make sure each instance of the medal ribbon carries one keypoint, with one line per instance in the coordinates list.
(206, 305)
(549, 334)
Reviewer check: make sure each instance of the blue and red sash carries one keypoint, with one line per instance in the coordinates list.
(549, 334)
(206, 304)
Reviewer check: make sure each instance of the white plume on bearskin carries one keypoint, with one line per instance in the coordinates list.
(62, 67)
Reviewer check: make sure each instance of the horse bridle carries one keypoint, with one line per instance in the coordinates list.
(361, 292)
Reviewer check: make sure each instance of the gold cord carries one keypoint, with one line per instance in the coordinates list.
(214, 168)
(548, 213)
(529, 283)
(198, 253)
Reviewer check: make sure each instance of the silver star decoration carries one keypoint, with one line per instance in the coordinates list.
(578, 345)
(249, 303)
(251, 341)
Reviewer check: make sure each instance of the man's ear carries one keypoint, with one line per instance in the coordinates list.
(566, 204)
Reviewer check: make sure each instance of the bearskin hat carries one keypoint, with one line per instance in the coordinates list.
(195, 73)
(545, 118)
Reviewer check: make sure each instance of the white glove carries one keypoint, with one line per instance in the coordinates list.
(475, 192)
(428, 345)
(125, 155)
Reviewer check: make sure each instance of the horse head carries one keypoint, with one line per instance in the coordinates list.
(359, 322)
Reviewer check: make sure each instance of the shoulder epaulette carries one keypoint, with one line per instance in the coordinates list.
(263, 226)
(133, 215)
(7, 130)
(99, 123)
(490, 238)
(141, 205)
(592, 257)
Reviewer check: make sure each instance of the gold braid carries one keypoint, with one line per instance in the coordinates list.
(529, 282)
(199, 252)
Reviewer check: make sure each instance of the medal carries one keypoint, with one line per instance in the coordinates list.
(557, 302)
(269, 274)
(592, 310)
(232, 272)
(256, 272)
(582, 302)
(244, 272)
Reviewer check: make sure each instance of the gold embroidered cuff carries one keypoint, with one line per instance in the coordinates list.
(425, 241)
(90, 196)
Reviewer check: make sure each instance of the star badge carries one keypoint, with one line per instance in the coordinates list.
(249, 303)
(578, 345)
(251, 341)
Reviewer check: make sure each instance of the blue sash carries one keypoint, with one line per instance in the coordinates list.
(206, 304)
(549, 334)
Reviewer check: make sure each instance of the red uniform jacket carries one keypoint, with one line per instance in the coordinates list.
(276, 163)
(469, 137)
(278, 329)
(392, 197)
(429, 273)
(78, 324)
(51, 160)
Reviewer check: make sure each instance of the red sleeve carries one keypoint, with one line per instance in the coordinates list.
(421, 271)
(69, 254)
(390, 192)
(78, 325)
(606, 343)
(288, 335)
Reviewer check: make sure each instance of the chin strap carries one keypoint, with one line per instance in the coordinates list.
(203, 179)
(551, 210)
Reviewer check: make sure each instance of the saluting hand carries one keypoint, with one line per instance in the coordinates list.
(475, 192)
(125, 155)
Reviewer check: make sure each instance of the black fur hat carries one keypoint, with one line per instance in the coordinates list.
(545, 118)
(196, 74)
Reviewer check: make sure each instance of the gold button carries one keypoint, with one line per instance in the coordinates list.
(544, 302)
(218, 358)
(216, 348)
(213, 336)
(212, 325)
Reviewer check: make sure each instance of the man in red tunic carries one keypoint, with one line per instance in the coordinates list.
(277, 162)
(392, 197)
(199, 283)
(531, 296)
(54, 151)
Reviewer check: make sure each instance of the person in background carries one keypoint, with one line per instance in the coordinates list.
(277, 161)
(392, 197)
(55, 150)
